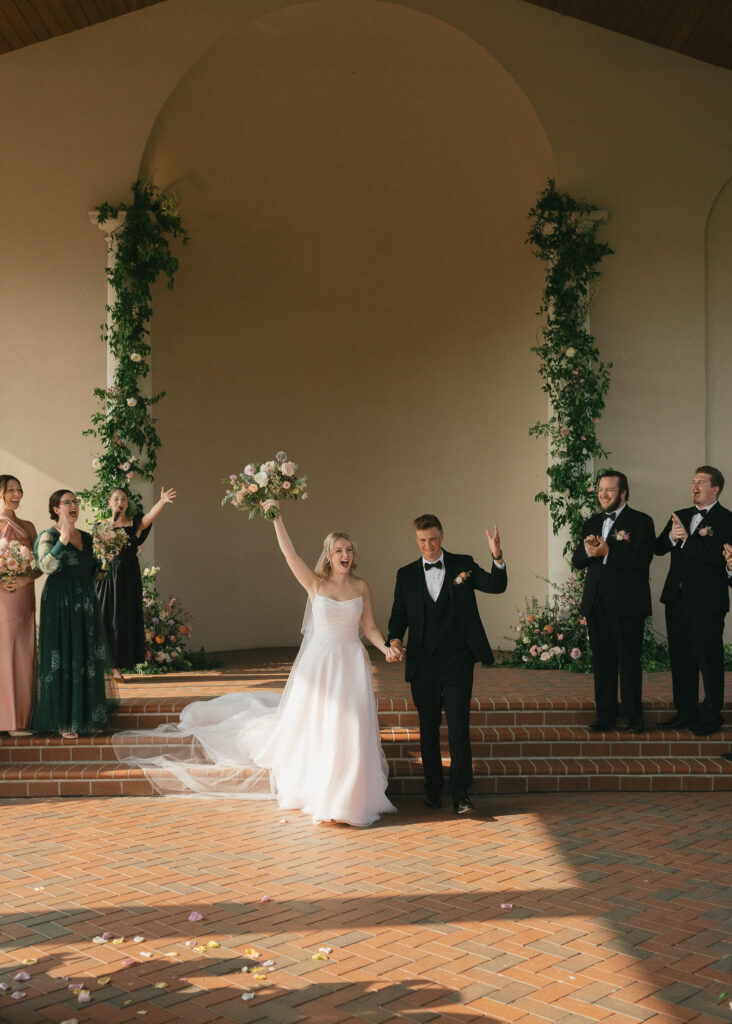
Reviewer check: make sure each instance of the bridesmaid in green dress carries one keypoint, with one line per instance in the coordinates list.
(73, 662)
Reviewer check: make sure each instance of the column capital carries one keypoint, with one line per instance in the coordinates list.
(110, 225)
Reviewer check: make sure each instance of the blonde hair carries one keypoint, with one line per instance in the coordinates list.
(322, 566)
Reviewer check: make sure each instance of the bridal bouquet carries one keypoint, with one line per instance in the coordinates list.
(275, 480)
(16, 560)
(106, 544)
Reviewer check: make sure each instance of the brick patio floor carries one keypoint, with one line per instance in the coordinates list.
(569, 908)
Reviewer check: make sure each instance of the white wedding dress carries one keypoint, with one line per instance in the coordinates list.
(315, 747)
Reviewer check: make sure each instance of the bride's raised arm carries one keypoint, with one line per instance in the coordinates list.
(300, 570)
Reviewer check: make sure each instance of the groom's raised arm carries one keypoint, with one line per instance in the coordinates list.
(495, 581)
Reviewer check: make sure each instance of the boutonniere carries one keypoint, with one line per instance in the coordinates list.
(621, 535)
(705, 531)
(461, 578)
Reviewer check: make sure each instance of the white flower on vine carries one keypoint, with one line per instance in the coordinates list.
(135, 357)
(96, 463)
(132, 402)
(570, 352)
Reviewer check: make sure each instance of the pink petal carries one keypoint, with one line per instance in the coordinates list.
(129, 963)
(21, 976)
(507, 906)
(4, 987)
(195, 916)
(107, 935)
(265, 899)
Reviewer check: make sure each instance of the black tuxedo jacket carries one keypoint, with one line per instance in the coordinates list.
(408, 608)
(621, 581)
(699, 567)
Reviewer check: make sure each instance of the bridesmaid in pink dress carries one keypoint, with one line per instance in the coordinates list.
(17, 620)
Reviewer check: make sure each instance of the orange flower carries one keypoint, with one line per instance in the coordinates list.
(583, 621)
(548, 629)
(529, 618)
(185, 630)
(159, 639)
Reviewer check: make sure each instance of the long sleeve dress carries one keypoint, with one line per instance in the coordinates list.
(17, 639)
(71, 690)
(120, 595)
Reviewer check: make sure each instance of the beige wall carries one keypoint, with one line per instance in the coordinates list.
(355, 177)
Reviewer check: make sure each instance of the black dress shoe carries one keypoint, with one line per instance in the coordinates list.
(636, 725)
(681, 720)
(705, 729)
(599, 726)
(433, 799)
(463, 805)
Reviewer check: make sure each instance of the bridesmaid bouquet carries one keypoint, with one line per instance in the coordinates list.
(106, 544)
(276, 480)
(16, 560)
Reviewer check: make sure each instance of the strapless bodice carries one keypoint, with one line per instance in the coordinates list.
(336, 620)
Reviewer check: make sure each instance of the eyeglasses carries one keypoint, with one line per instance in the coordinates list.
(71, 501)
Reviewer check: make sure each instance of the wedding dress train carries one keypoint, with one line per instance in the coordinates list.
(315, 747)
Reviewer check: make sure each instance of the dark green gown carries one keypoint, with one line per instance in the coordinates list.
(73, 659)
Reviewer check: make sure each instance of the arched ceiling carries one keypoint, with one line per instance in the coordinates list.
(696, 28)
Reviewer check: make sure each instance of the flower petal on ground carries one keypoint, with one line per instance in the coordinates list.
(195, 916)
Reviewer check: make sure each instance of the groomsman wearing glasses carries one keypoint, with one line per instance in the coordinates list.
(434, 598)
(616, 550)
(696, 597)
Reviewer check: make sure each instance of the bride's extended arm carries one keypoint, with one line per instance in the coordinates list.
(368, 625)
(302, 572)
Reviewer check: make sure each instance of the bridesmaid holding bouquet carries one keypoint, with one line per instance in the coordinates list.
(120, 587)
(17, 612)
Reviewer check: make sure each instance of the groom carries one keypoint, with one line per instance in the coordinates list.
(434, 598)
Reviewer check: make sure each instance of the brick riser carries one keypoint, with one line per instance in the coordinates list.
(516, 749)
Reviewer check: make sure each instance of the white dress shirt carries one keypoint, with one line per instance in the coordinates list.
(435, 577)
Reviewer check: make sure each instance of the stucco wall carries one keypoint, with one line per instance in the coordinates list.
(355, 177)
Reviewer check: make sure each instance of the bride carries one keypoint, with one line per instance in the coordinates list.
(316, 747)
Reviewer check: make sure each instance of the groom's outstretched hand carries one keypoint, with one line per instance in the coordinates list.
(494, 540)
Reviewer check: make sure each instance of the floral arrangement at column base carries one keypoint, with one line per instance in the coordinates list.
(167, 633)
(553, 634)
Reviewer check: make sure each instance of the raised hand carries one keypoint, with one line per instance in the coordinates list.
(494, 540)
(167, 497)
(678, 530)
(65, 526)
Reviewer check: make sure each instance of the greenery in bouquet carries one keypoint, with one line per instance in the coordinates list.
(16, 561)
(106, 545)
(275, 480)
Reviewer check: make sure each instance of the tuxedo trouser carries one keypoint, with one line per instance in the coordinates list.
(617, 645)
(445, 679)
(695, 645)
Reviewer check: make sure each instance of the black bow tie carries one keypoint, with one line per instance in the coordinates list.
(611, 516)
(432, 565)
(703, 512)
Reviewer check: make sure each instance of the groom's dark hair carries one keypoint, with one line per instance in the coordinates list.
(426, 522)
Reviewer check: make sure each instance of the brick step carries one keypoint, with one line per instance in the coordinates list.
(505, 741)
(492, 775)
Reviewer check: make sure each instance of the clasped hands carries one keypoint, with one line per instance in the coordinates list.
(395, 651)
(595, 547)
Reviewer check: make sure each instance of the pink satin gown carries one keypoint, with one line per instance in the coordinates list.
(17, 642)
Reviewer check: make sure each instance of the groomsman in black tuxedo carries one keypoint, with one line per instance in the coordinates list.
(616, 549)
(434, 599)
(696, 596)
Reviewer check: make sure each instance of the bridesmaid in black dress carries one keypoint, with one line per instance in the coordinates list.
(120, 589)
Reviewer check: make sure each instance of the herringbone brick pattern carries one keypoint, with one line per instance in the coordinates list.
(568, 909)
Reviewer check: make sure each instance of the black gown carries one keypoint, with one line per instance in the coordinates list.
(120, 595)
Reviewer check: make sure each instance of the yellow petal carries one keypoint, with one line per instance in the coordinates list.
(117, 941)
(172, 952)
(319, 956)
(199, 949)
(29, 961)
(160, 984)
(212, 944)
(259, 977)
(104, 981)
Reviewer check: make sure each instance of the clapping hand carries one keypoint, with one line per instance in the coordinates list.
(727, 552)
(595, 547)
(678, 530)
(494, 540)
